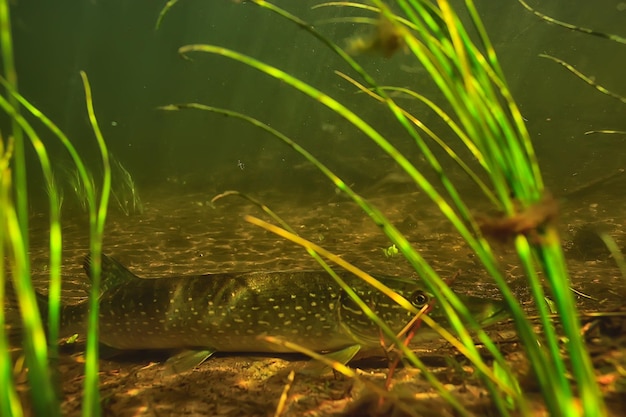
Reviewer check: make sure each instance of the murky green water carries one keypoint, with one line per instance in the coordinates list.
(180, 160)
(135, 69)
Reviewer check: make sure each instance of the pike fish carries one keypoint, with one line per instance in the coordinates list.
(227, 312)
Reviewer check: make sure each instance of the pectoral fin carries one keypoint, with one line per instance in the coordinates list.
(342, 356)
(107, 352)
(186, 360)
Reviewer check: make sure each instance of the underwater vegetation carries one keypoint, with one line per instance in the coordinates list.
(123, 188)
(474, 102)
(487, 120)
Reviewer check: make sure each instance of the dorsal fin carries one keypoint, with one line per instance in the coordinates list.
(113, 272)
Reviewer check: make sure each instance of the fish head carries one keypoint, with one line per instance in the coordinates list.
(363, 328)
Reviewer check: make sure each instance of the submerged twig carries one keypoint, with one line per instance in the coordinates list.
(282, 402)
(585, 78)
(575, 28)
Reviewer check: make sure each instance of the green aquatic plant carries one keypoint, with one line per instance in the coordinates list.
(9, 401)
(73, 179)
(391, 251)
(39, 356)
(14, 225)
(485, 117)
(124, 189)
(481, 112)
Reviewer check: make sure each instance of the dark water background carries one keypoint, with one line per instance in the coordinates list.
(181, 159)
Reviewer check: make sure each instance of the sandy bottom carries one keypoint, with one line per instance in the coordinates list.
(180, 233)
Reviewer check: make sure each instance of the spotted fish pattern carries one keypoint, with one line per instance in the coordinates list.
(229, 311)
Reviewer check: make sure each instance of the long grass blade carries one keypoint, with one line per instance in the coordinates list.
(164, 11)
(36, 352)
(42, 391)
(19, 170)
(91, 400)
(55, 241)
(9, 401)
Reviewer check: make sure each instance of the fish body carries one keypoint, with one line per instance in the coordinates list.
(228, 312)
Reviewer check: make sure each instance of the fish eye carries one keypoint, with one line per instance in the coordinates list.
(419, 298)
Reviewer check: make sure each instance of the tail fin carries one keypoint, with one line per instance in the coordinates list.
(113, 273)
